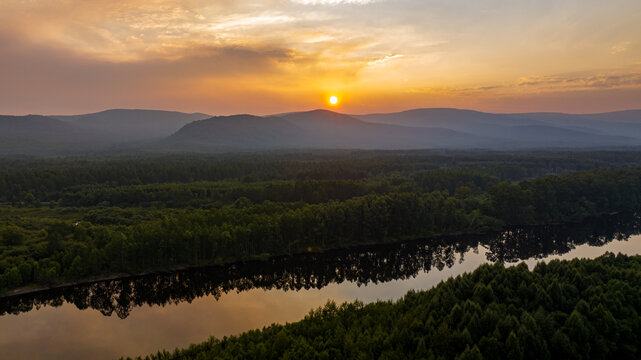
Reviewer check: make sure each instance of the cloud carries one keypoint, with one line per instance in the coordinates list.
(333, 2)
(236, 22)
(48, 79)
(542, 84)
(620, 47)
(385, 59)
(582, 81)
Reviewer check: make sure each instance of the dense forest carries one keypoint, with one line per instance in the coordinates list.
(47, 179)
(69, 219)
(579, 309)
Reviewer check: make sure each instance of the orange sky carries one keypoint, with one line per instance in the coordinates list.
(271, 56)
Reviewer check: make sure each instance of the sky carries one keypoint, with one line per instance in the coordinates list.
(273, 56)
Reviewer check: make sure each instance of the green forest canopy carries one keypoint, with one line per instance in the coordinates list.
(68, 219)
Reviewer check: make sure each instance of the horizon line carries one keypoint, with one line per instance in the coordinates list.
(327, 109)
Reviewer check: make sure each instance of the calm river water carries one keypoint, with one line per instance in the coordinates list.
(141, 315)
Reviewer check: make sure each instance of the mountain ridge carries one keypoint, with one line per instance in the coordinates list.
(422, 128)
(133, 124)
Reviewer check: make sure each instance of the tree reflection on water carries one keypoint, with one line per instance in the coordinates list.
(363, 265)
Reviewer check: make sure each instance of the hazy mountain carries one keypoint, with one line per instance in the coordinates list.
(127, 125)
(460, 120)
(141, 130)
(332, 129)
(238, 132)
(623, 123)
(541, 136)
(33, 127)
(312, 129)
(625, 116)
(111, 130)
(36, 134)
(528, 129)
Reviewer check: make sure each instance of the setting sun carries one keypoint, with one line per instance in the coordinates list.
(333, 100)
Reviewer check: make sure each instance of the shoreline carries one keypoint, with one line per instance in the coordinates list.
(257, 258)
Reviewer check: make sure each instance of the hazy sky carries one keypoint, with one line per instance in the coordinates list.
(269, 56)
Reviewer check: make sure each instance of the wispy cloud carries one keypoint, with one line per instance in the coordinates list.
(333, 2)
(620, 47)
(385, 59)
(237, 22)
(584, 81)
(545, 83)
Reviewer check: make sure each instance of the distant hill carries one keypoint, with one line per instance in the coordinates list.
(129, 125)
(622, 123)
(88, 133)
(542, 136)
(455, 119)
(36, 134)
(33, 127)
(247, 132)
(625, 116)
(345, 131)
(312, 129)
(528, 129)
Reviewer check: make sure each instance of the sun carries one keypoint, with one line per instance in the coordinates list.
(333, 100)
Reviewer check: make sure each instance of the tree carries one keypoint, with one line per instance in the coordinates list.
(13, 277)
(513, 349)
(470, 354)
(12, 235)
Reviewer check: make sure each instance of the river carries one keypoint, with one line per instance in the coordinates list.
(140, 315)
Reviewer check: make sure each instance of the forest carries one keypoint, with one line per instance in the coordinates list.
(71, 219)
(578, 309)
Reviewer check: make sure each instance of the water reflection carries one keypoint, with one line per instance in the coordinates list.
(375, 264)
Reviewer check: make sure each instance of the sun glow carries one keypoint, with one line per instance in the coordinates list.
(333, 100)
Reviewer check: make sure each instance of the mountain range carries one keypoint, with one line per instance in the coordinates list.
(132, 125)
(155, 130)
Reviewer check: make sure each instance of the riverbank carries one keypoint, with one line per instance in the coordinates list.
(33, 290)
(185, 267)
